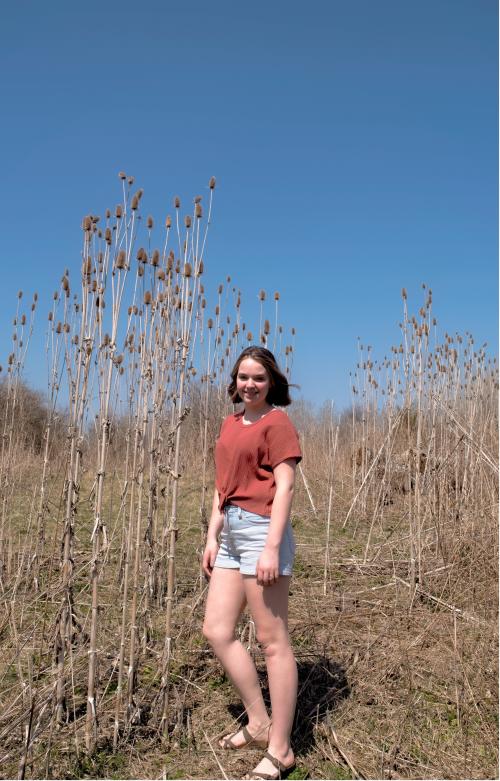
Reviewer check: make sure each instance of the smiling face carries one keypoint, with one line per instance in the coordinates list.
(252, 384)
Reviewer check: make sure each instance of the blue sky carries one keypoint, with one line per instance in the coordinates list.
(354, 144)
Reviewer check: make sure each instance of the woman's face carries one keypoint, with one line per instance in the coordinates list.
(252, 383)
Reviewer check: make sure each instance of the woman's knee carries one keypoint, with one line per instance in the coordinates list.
(217, 633)
(273, 643)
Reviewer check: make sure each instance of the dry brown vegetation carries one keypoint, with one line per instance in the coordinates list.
(104, 671)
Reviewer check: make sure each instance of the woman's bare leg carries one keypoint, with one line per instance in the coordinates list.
(269, 608)
(225, 603)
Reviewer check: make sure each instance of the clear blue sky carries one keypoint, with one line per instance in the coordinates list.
(354, 144)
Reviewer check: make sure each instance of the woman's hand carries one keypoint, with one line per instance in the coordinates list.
(268, 566)
(209, 556)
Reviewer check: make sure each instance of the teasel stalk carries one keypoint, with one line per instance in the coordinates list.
(16, 361)
(332, 442)
(207, 379)
(276, 300)
(53, 390)
(126, 560)
(78, 382)
(140, 436)
(182, 342)
(99, 533)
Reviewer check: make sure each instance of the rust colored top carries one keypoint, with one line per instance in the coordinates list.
(245, 456)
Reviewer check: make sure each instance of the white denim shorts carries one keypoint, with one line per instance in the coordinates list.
(243, 538)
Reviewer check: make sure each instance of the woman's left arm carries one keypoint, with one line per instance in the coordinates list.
(268, 564)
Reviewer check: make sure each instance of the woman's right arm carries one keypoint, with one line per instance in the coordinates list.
(214, 528)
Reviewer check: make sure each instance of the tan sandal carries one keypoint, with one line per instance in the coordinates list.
(250, 740)
(283, 770)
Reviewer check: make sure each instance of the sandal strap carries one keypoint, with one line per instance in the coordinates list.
(227, 742)
(246, 734)
(277, 764)
(249, 739)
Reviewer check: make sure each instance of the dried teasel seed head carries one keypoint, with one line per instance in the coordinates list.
(249, 336)
(217, 310)
(160, 274)
(267, 327)
(293, 331)
(23, 320)
(147, 298)
(203, 303)
(134, 203)
(120, 260)
(210, 323)
(118, 211)
(276, 296)
(211, 183)
(220, 289)
(65, 283)
(177, 202)
(66, 328)
(87, 223)
(199, 270)
(50, 317)
(178, 267)
(198, 211)
(122, 175)
(59, 328)
(119, 359)
(149, 222)
(187, 221)
(280, 329)
(155, 258)
(197, 199)
(262, 295)
(187, 270)
(168, 222)
(404, 294)
(94, 285)
(140, 271)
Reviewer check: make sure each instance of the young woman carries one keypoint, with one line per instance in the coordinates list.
(255, 456)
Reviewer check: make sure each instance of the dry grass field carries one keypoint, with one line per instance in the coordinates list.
(104, 672)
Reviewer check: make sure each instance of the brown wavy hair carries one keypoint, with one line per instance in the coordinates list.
(278, 384)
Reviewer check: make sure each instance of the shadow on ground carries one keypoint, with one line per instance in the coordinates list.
(322, 686)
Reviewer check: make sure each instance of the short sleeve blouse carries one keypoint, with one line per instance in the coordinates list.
(245, 456)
